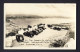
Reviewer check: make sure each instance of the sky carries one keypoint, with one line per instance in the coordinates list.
(42, 9)
(65, 10)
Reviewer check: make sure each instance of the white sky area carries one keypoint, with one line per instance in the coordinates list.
(42, 9)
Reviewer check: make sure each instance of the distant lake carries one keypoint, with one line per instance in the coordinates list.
(25, 22)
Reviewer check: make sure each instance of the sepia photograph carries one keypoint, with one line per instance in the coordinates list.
(47, 26)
